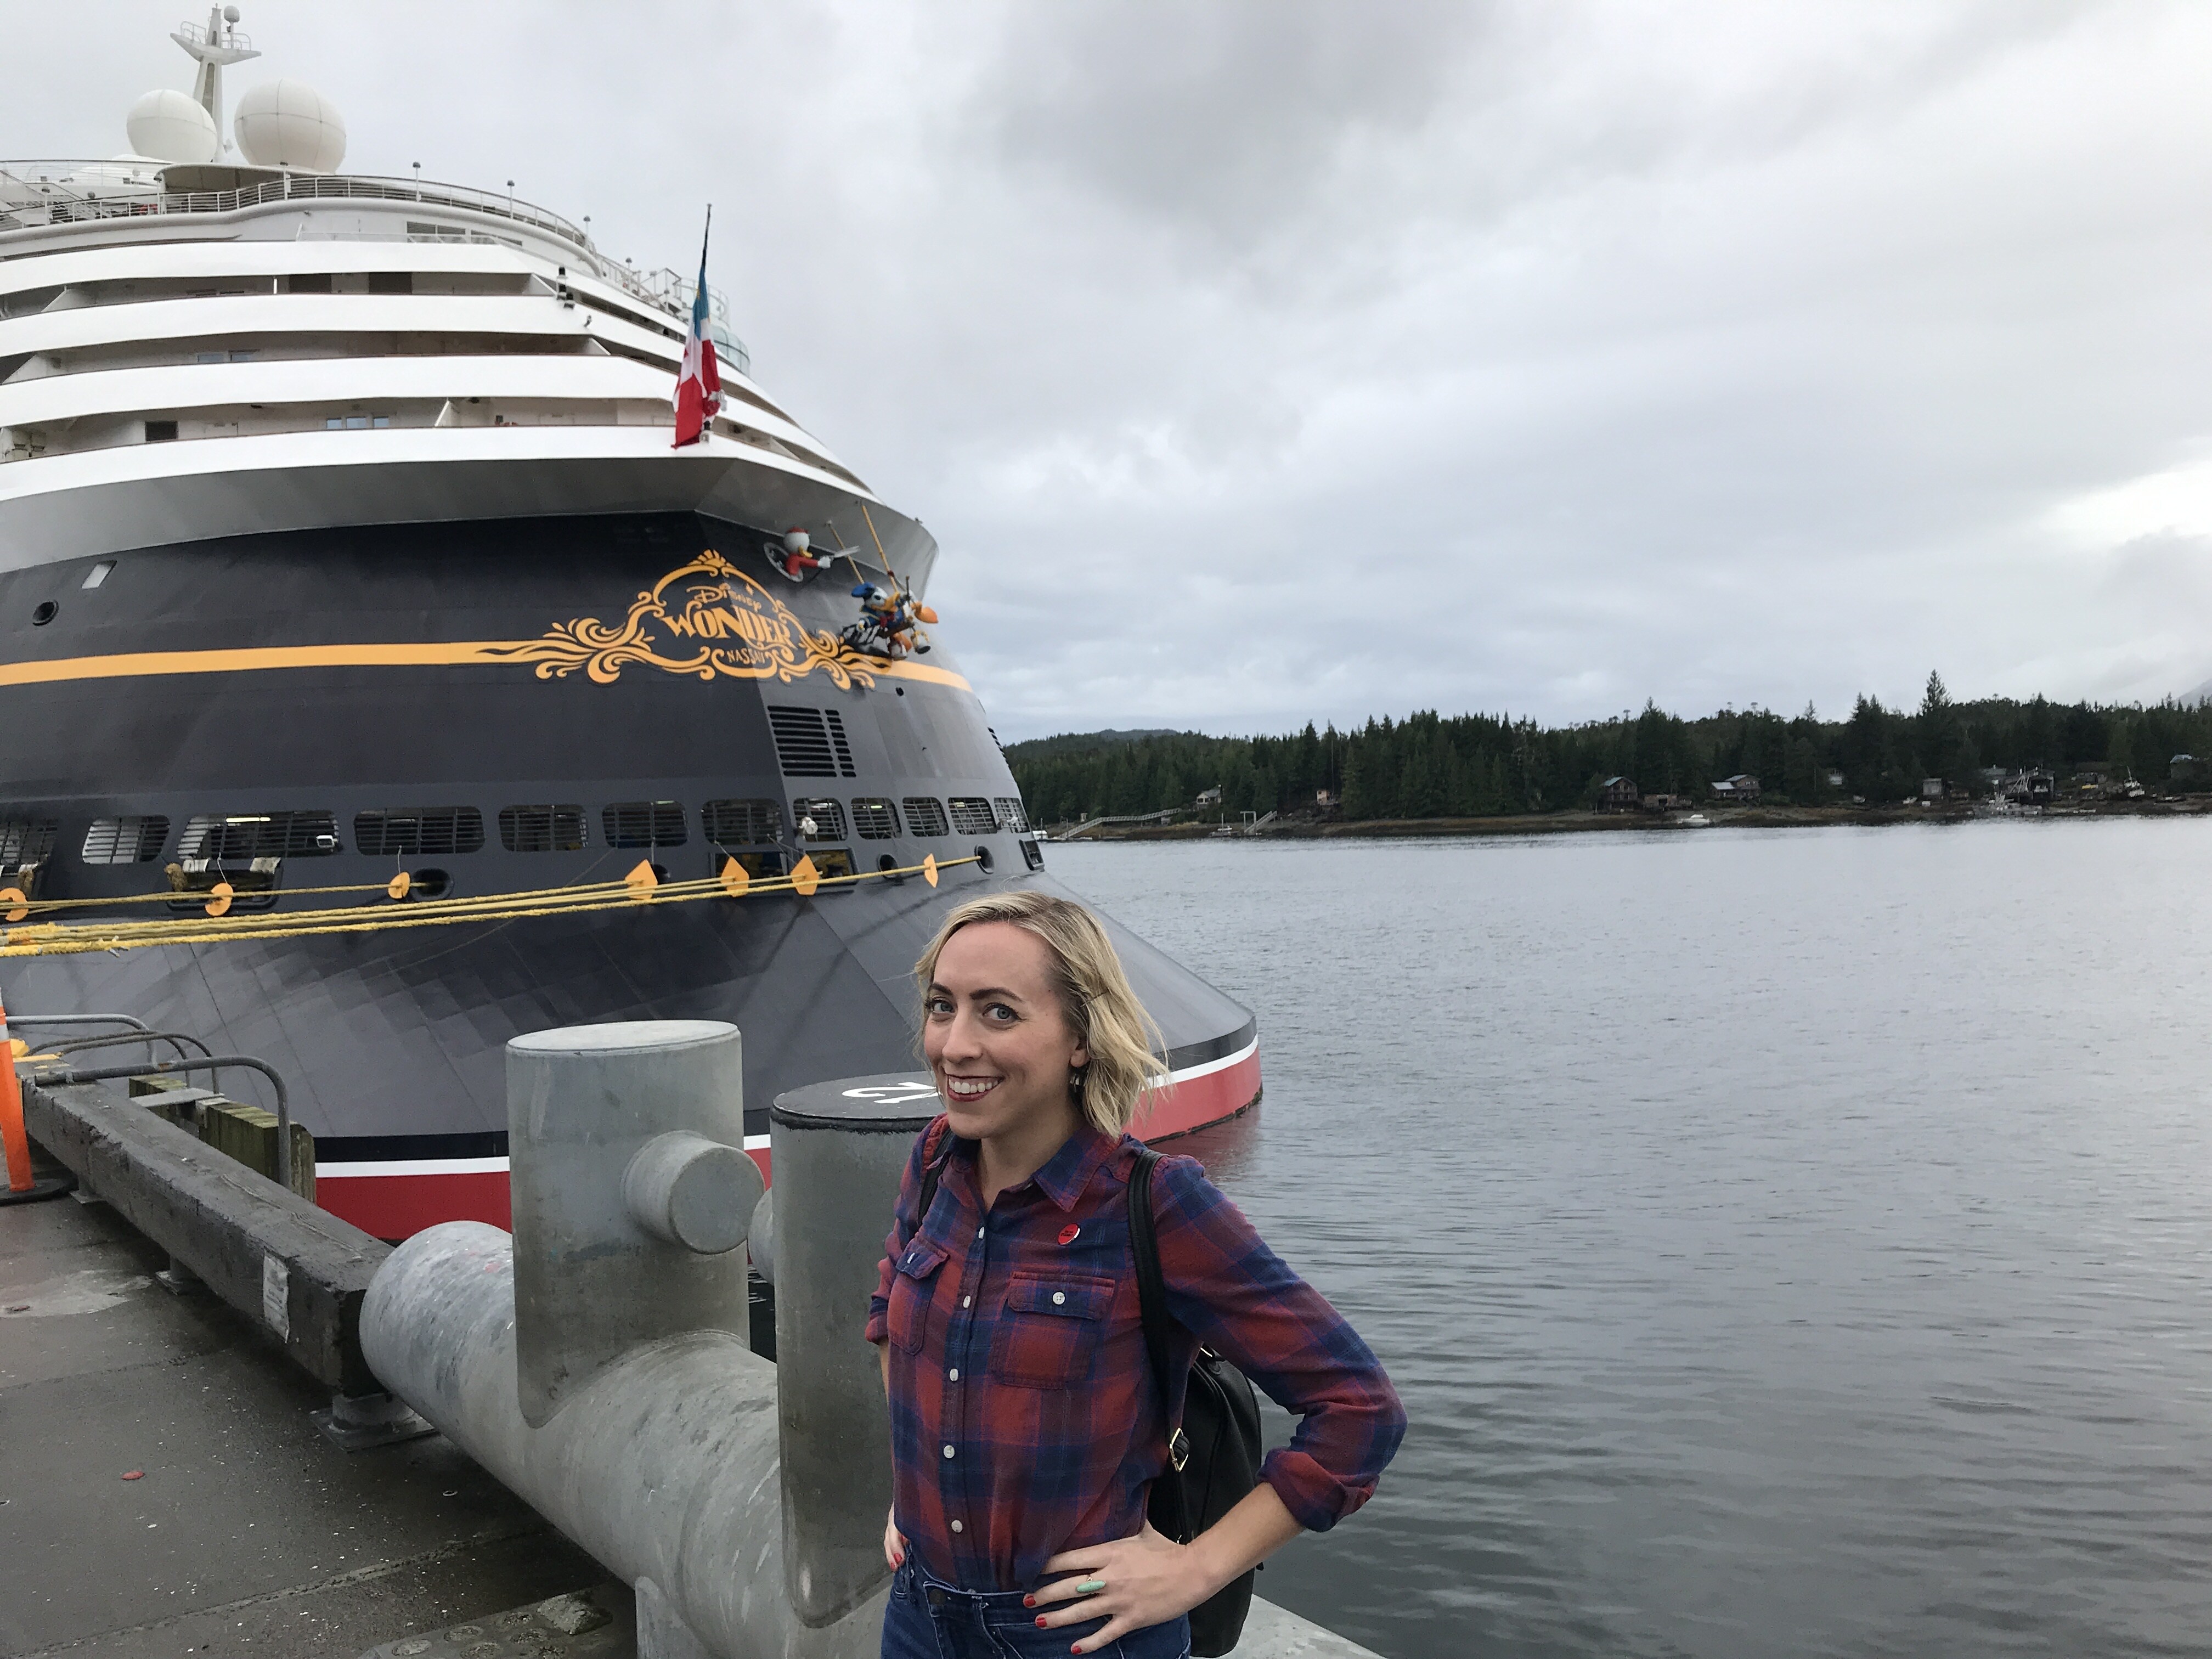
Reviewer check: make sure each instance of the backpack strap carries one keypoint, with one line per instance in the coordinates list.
(1152, 1301)
(932, 1159)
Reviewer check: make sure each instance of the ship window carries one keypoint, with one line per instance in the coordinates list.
(1033, 855)
(211, 357)
(26, 841)
(390, 281)
(834, 862)
(828, 820)
(760, 866)
(810, 743)
(742, 822)
(260, 836)
(1011, 815)
(925, 817)
(98, 574)
(334, 424)
(874, 818)
(972, 817)
(541, 829)
(645, 824)
(431, 831)
(125, 841)
(161, 432)
(308, 282)
(379, 420)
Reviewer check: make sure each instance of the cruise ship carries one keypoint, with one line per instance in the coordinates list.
(343, 538)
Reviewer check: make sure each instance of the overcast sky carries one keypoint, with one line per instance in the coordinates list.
(1265, 361)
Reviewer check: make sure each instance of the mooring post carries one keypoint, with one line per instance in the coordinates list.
(837, 1150)
(631, 1191)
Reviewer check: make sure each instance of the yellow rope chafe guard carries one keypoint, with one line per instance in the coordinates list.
(640, 886)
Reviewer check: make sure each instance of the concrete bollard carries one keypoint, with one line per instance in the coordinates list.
(838, 1150)
(631, 1192)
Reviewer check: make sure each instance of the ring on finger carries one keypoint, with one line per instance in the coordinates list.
(1090, 1587)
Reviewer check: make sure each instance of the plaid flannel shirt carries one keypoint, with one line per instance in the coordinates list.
(1025, 1418)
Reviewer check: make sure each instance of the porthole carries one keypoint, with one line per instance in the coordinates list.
(46, 612)
(430, 884)
(983, 859)
(887, 864)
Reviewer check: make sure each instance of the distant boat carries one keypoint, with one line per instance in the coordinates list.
(1697, 821)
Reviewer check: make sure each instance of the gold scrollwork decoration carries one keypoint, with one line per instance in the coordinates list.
(742, 630)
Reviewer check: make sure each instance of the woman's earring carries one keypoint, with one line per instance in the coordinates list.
(1075, 1081)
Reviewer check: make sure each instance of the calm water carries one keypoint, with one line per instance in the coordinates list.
(1789, 1242)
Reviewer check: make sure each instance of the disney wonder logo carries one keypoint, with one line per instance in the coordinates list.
(742, 630)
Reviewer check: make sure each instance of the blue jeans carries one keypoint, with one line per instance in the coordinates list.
(927, 1618)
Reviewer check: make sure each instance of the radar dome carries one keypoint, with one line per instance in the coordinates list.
(288, 124)
(168, 125)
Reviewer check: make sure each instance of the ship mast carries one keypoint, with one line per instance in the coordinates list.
(216, 46)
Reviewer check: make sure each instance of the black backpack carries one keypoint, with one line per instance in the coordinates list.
(1214, 1454)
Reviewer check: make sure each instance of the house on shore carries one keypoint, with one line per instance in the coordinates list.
(1742, 790)
(1618, 795)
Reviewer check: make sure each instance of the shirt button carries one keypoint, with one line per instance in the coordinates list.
(958, 1527)
(948, 1451)
(954, 1374)
(1059, 1296)
(965, 1300)
(979, 1232)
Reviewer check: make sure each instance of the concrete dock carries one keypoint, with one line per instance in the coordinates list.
(247, 1531)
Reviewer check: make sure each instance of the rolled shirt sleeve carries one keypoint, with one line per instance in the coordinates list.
(1239, 1298)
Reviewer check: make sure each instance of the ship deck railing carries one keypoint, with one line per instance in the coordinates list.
(64, 196)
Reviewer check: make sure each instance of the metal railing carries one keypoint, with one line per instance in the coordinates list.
(38, 194)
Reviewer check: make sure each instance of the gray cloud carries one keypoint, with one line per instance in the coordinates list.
(1256, 362)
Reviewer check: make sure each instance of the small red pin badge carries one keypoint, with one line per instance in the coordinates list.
(1068, 1234)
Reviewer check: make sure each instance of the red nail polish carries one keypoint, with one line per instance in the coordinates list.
(1041, 1621)
(1029, 1600)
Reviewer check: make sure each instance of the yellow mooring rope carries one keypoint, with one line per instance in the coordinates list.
(640, 887)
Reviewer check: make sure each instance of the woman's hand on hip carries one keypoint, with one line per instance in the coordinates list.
(1147, 1580)
(894, 1542)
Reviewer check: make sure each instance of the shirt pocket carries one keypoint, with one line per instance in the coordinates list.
(913, 1288)
(1049, 1328)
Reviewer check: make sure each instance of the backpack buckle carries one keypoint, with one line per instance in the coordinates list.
(1178, 1450)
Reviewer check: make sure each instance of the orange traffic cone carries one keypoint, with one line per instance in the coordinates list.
(12, 1138)
(23, 1185)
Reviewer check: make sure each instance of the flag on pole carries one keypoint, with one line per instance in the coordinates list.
(699, 384)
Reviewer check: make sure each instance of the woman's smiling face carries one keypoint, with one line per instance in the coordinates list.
(996, 1039)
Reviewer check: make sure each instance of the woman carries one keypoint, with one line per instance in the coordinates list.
(1025, 1421)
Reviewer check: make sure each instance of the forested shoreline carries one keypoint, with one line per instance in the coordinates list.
(1429, 765)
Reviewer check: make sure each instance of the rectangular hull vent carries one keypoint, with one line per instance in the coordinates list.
(810, 743)
(237, 835)
(971, 817)
(743, 823)
(551, 829)
(410, 832)
(829, 821)
(874, 818)
(1011, 815)
(645, 824)
(125, 841)
(925, 817)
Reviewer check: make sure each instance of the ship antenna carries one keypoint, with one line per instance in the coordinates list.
(219, 44)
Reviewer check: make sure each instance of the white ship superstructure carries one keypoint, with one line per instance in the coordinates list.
(195, 344)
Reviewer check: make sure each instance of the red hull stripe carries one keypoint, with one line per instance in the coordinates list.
(400, 1198)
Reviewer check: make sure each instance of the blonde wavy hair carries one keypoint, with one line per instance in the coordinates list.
(1124, 1043)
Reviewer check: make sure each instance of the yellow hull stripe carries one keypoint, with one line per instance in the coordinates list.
(500, 653)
